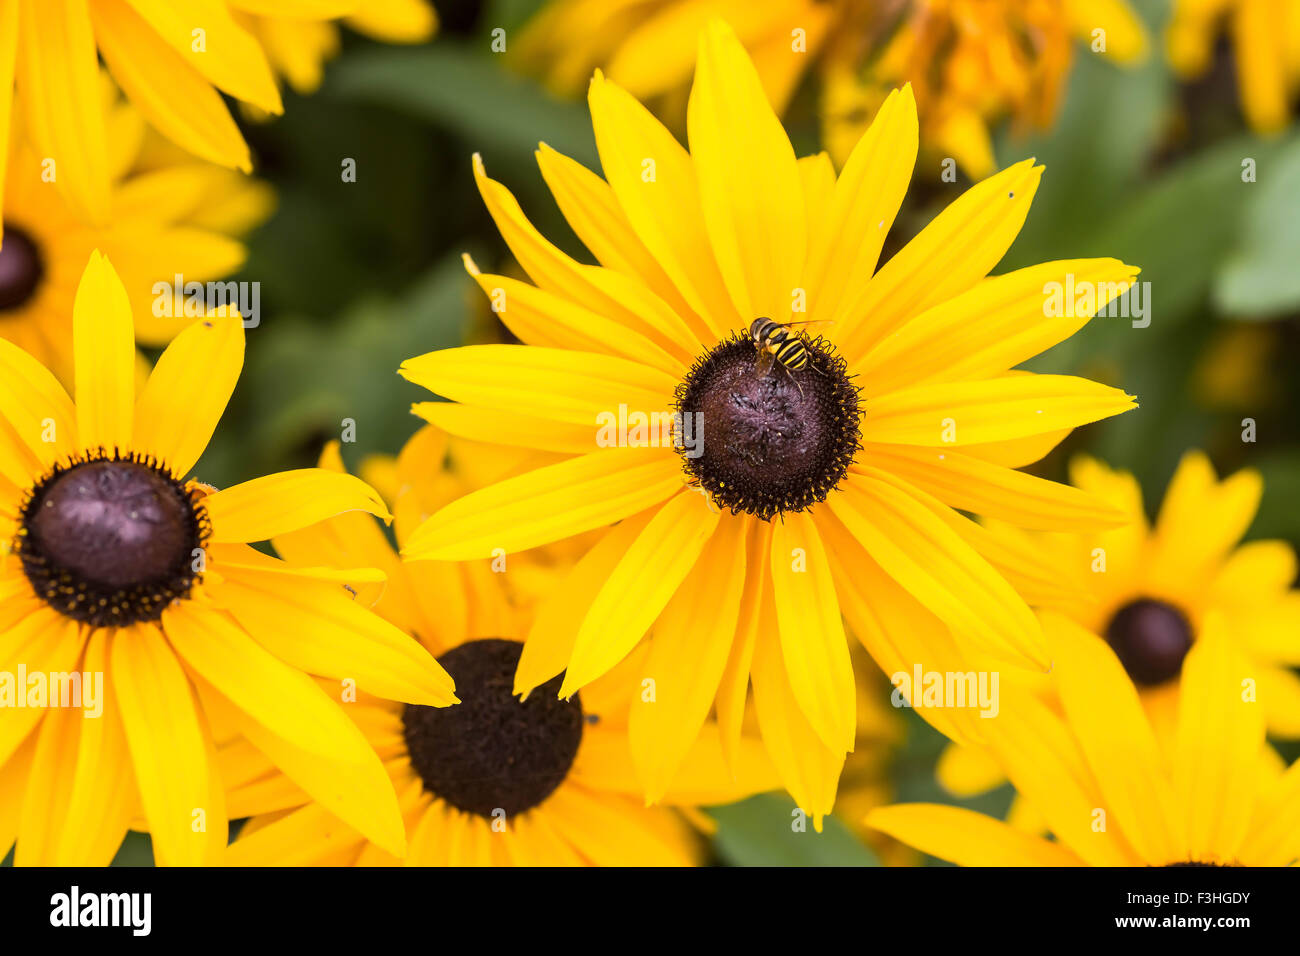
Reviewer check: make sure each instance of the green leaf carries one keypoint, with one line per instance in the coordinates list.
(1278, 516)
(303, 377)
(1261, 279)
(759, 832)
(471, 93)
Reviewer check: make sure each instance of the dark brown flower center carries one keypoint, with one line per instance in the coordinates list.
(21, 268)
(772, 440)
(1151, 638)
(492, 752)
(111, 541)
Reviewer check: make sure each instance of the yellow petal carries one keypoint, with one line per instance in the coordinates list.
(576, 387)
(610, 831)
(1103, 710)
(1019, 452)
(966, 771)
(896, 630)
(1201, 519)
(36, 405)
(548, 504)
(1126, 37)
(166, 741)
(808, 768)
(1274, 837)
(101, 790)
(228, 56)
(995, 325)
(351, 784)
(963, 134)
(45, 642)
(537, 843)
(969, 484)
(559, 615)
(993, 410)
(843, 252)
(951, 254)
(813, 645)
(13, 792)
(507, 427)
(1261, 64)
(592, 210)
(936, 566)
(45, 802)
(604, 291)
(188, 390)
(817, 175)
(733, 689)
(1048, 768)
(655, 182)
(278, 696)
(688, 650)
(642, 584)
(395, 21)
(262, 508)
(174, 97)
(1217, 750)
(965, 837)
(1279, 693)
(1256, 571)
(703, 777)
(320, 630)
(104, 343)
(541, 318)
(58, 73)
(8, 59)
(748, 180)
(302, 838)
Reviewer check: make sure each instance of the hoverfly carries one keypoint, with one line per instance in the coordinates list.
(777, 344)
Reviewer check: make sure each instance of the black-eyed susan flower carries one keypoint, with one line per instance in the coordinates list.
(174, 62)
(1147, 590)
(755, 505)
(1265, 37)
(162, 225)
(495, 780)
(113, 564)
(972, 63)
(1110, 790)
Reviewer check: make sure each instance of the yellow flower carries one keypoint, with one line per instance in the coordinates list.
(174, 59)
(162, 225)
(1148, 592)
(1113, 793)
(648, 49)
(494, 780)
(1266, 46)
(815, 491)
(971, 62)
(116, 567)
(298, 48)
